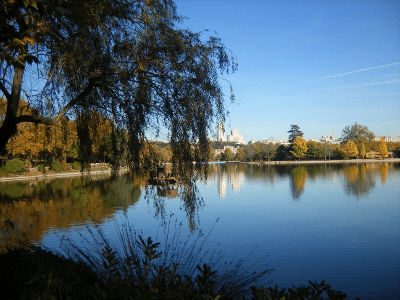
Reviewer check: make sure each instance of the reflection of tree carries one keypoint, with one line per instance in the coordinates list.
(298, 178)
(187, 192)
(384, 172)
(359, 179)
(32, 209)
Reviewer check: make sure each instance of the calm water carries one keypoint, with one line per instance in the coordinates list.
(340, 223)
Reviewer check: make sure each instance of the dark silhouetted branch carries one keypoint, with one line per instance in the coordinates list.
(35, 119)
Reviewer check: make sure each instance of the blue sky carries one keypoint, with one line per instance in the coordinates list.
(319, 64)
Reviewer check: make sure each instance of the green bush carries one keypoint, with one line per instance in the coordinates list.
(76, 165)
(57, 166)
(41, 168)
(14, 166)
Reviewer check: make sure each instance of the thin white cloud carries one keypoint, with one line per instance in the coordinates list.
(357, 71)
(366, 84)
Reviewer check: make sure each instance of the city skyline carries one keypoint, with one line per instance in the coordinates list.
(221, 136)
(321, 65)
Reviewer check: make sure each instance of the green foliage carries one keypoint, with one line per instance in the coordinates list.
(315, 150)
(76, 165)
(14, 166)
(58, 166)
(256, 152)
(282, 153)
(357, 133)
(41, 168)
(294, 132)
(240, 154)
(227, 155)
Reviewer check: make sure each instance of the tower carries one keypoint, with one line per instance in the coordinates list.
(220, 132)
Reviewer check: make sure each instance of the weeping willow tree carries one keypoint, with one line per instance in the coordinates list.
(125, 60)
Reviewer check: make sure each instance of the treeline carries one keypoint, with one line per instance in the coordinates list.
(356, 142)
(57, 146)
(312, 151)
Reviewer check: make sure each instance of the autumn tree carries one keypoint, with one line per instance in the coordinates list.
(294, 132)
(362, 151)
(125, 60)
(350, 149)
(383, 148)
(36, 141)
(298, 149)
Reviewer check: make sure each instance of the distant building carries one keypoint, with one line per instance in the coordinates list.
(390, 139)
(377, 155)
(328, 139)
(220, 132)
(222, 150)
(235, 136)
(270, 141)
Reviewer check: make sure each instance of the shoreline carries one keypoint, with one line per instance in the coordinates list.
(54, 175)
(279, 162)
(326, 162)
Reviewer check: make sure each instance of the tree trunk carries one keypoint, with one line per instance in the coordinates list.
(9, 126)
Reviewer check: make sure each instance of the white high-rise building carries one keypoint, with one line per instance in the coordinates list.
(220, 132)
(236, 136)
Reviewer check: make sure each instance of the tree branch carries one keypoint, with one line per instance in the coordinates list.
(35, 119)
(78, 98)
(5, 92)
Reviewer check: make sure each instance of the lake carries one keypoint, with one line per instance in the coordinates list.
(339, 223)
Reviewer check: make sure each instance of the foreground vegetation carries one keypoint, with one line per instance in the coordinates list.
(39, 274)
(138, 268)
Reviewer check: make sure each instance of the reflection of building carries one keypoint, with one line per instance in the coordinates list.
(222, 185)
(236, 137)
(236, 180)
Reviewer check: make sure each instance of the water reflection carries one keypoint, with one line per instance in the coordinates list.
(384, 172)
(298, 178)
(35, 207)
(30, 209)
(358, 179)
